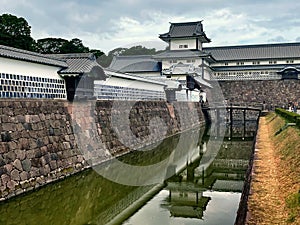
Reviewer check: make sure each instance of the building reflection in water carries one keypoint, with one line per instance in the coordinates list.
(188, 191)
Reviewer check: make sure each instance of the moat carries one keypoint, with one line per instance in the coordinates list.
(193, 195)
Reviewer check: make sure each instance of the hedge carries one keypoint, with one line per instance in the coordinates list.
(290, 117)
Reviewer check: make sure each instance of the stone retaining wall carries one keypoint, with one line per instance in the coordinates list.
(47, 140)
(273, 92)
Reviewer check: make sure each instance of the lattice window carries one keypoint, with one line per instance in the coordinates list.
(20, 86)
(246, 75)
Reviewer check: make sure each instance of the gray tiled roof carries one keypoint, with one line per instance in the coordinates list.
(187, 29)
(136, 63)
(77, 62)
(19, 54)
(252, 52)
(180, 54)
(202, 82)
(145, 66)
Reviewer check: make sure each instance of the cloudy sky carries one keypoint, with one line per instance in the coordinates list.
(108, 24)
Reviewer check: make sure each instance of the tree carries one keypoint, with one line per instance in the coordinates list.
(15, 32)
(50, 45)
(59, 45)
(96, 52)
(139, 50)
(105, 60)
(74, 46)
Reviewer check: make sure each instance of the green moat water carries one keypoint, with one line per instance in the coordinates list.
(188, 197)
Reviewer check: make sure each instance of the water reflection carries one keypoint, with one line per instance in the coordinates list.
(207, 191)
(192, 196)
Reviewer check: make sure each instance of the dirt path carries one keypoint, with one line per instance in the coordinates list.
(265, 205)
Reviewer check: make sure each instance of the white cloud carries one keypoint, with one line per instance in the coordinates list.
(106, 25)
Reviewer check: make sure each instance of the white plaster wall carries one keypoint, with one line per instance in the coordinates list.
(261, 62)
(12, 66)
(197, 62)
(206, 74)
(174, 45)
(116, 81)
(166, 64)
(199, 45)
(193, 96)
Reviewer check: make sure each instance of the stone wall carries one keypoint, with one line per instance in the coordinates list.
(37, 144)
(273, 92)
(47, 140)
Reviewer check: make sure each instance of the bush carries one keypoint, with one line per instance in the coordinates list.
(290, 117)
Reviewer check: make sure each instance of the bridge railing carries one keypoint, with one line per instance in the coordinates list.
(216, 105)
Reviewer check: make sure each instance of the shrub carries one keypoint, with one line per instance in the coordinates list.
(290, 117)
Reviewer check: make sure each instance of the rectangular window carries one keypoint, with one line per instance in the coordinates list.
(183, 46)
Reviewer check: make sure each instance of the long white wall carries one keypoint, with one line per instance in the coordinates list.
(120, 82)
(257, 62)
(19, 67)
(22, 79)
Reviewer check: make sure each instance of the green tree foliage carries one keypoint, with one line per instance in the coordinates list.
(50, 45)
(15, 32)
(74, 46)
(96, 52)
(139, 50)
(59, 45)
(105, 60)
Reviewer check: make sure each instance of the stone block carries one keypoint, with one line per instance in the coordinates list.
(35, 171)
(30, 154)
(32, 143)
(45, 149)
(3, 170)
(11, 185)
(5, 178)
(26, 164)
(47, 169)
(23, 143)
(15, 175)
(53, 165)
(18, 165)
(12, 145)
(42, 116)
(10, 156)
(20, 154)
(3, 147)
(66, 145)
(8, 168)
(6, 135)
(78, 166)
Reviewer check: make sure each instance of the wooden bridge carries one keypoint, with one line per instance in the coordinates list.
(228, 114)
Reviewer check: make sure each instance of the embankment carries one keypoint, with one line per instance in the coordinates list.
(46, 140)
(275, 187)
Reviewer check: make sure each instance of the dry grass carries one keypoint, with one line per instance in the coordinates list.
(276, 175)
